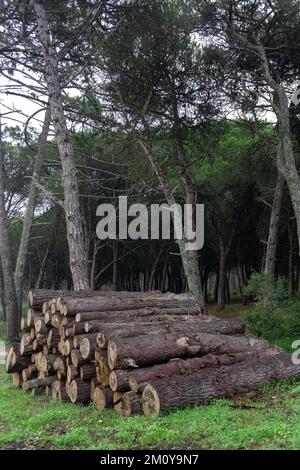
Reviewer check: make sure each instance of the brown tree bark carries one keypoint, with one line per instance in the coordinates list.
(270, 259)
(103, 398)
(189, 258)
(11, 304)
(139, 378)
(208, 384)
(79, 391)
(74, 223)
(153, 349)
(15, 362)
(115, 331)
(70, 307)
(29, 213)
(146, 313)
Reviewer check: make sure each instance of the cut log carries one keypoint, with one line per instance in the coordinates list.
(119, 380)
(154, 349)
(117, 402)
(88, 346)
(102, 369)
(47, 318)
(37, 297)
(94, 384)
(87, 372)
(26, 346)
(139, 378)
(69, 332)
(60, 364)
(103, 397)
(116, 331)
(72, 373)
(70, 307)
(23, 325)
(37, 383)
(79, 391)
(78, 338)
(76, 358)
(131, 403)
(46, 363)
(17, 379)
(61, 375)
(32, 315)
(29, 373)
(53, 338)
(68, 347)
(55, 320)
(38, 343)
(205, 385)
(40, 326)
(14, 361)
(55, 389)
(79, 328)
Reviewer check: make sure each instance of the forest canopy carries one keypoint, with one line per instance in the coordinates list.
(173, 101)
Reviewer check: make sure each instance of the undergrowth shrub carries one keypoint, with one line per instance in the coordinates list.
(274, 317)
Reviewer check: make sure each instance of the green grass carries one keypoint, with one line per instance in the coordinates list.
(268, 418)
(264, 419)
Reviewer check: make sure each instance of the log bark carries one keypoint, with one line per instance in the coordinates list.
(72, 373)
(15, 362)
(138, 379)
(32, 316)
(79, 391)
(103, 397)
(205, 385)
(70, 307)
(36, 297)
(76, 358)
(29, 373)
(37, 383)
(130, 403)
(102, 368)
(87, 372)
(212, 325)
(145, 350)
(88, 346)
(17, 379)
(53, 338)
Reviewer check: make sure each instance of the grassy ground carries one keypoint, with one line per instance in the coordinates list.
(265, 419)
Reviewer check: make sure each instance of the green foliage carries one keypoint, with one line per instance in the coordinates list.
(266, 290)
(274, 317)
(279, 325)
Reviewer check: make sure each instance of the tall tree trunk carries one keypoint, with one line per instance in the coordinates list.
(154, 269)
(74, 223)
(3, 310)
(29, 213)
(94, 264)
(270, 258)
(222, 275)
(11, 304)
(42, 268)
(164, 274)
(291, 266)
(189, 258)
(285, 153)
(115, 265)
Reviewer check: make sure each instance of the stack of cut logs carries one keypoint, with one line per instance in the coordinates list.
(137, 352)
